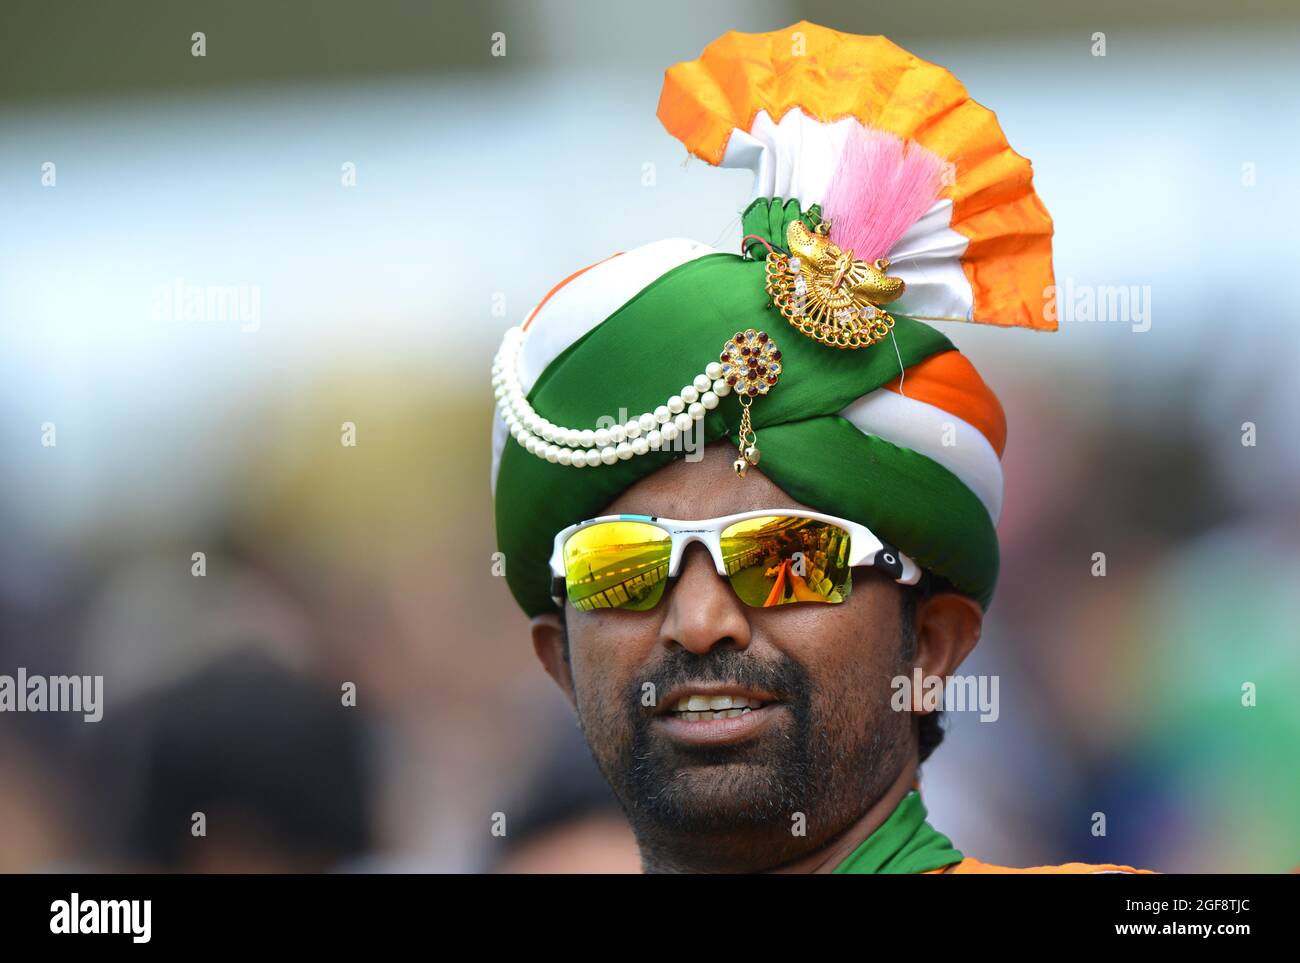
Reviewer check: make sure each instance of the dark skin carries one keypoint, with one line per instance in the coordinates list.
(833, 759)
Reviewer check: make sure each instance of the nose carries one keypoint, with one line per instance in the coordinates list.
(702, 610)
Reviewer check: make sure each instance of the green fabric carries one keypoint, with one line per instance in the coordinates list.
(910, 501)
(667, 333)
(904, 843)
(769, 217)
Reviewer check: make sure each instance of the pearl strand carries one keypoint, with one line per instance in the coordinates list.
(587, 448)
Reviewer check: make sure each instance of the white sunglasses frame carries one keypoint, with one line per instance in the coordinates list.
(867, 548)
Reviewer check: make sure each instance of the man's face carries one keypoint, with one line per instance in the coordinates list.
(824, 746)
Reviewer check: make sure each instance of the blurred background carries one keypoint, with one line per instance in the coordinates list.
(382, 198)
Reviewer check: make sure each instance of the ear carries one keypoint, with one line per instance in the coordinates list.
(548, 643)
(947, 627)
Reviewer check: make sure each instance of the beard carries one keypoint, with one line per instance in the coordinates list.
(761, 802)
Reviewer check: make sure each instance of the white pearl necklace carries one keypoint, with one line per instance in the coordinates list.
(587, 448)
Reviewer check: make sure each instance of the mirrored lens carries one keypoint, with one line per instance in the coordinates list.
(617, 565)
(779, 559)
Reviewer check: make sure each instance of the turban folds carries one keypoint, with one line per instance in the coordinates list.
(901, 435)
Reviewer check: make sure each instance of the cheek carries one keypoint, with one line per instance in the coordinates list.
(607, 659)
(851, 653)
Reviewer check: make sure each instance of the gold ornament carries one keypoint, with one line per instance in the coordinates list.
(751, 365)
(827, 294)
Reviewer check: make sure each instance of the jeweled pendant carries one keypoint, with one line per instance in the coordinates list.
(752, 367)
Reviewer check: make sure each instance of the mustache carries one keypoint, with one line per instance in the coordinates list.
(784, 677)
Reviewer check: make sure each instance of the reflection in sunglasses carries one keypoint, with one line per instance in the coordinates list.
(781, 560)
(617, 565)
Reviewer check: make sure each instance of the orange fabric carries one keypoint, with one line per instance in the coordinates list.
(1008, 260)
(949, 381)
(541, 304)
(969, 865)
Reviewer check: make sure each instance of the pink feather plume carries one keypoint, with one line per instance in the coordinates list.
(881, 187)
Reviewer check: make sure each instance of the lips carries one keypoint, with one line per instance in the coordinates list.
(709, 698)
(717, 714)
(694, 708)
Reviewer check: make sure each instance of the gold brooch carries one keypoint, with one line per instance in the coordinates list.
(751, 365)
(827, 294)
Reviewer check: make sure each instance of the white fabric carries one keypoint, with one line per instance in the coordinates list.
(928, 259)
(582, 304)
(794, 158)
(922, 427)
(797, 158)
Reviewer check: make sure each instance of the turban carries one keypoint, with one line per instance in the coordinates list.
(894, 179)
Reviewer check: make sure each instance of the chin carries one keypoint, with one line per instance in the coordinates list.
(722, 797)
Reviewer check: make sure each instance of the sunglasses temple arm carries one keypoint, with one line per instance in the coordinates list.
(891, 560)
(911, 573)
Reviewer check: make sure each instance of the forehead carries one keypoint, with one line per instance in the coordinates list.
(702, 489)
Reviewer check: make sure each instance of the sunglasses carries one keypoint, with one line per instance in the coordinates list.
(769, 557)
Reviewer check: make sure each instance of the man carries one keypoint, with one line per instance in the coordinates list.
(743, 709)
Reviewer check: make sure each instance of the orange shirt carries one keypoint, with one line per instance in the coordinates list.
(970, 865)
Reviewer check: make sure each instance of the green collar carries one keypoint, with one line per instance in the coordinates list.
(904, 843)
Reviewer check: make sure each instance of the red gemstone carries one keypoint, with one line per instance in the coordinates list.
(753, 391)
(762, 336)
(771, 379)
(744, 351)
(726, 356)
(762, 369)
(776, 355)
(731, 379)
